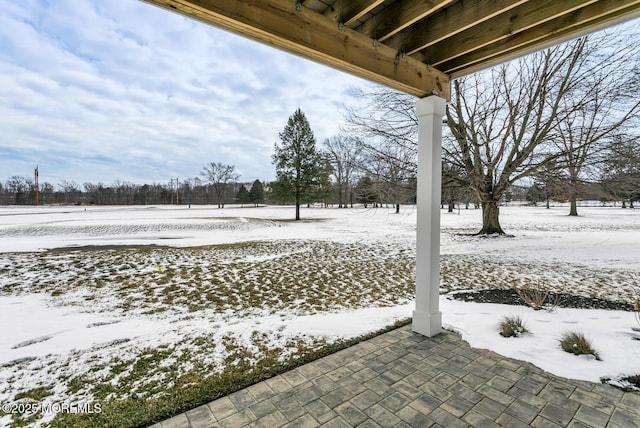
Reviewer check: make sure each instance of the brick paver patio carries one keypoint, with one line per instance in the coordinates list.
(402, 379)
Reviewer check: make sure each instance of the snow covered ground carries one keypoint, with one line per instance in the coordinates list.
(85, 290)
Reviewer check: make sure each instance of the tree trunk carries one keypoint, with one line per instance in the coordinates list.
(298, 202)
(490, 220)
(397, 208)
(573, 211)
(573, 197)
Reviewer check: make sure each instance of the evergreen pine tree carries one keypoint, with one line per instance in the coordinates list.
(299, 166)
(256, 193)
(242, 196)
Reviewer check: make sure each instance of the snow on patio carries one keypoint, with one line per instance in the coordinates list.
(62, 319)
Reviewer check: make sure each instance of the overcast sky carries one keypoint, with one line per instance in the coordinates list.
(105, 90)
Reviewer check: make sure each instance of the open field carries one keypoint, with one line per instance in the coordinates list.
(152, 307)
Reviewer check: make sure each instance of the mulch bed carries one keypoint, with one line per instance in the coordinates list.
(510, 297)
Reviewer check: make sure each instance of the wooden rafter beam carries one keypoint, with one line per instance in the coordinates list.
(398, 16)
(296, 29)
(452, 20)
(576, 23)
(518, 20)
(350, 11)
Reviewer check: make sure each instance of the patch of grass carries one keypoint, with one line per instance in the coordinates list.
(578, 344)
(22, 419)
(192, 389)
(279, 277)
(76, 384)
(36, 394)
(512, 327)
(271, 276)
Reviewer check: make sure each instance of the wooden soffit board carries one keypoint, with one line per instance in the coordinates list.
(415, 46)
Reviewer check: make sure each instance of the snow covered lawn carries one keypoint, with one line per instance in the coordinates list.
(112, 304)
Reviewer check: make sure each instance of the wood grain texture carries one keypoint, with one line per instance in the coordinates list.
(392, 41)
(527, 16)
(562, 28)
(399, 16)
(350, 10)
(449, 22)
(314, 36)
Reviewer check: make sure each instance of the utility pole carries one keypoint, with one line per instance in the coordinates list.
(36, 184)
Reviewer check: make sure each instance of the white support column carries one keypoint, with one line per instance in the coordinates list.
(427, 319)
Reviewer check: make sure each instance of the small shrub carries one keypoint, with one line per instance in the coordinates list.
(539, 297)
(634, 382)
(512, 327)
(576, 343)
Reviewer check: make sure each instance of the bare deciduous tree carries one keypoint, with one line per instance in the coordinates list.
(343, 153)
(71, 190)
(502, 123)
(386, 128)
(19, 188)
(501, 120)
(604, 103)
(219, 177)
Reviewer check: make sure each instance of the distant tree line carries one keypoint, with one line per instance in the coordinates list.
(349, 179)
(19, 190)
(348, 176)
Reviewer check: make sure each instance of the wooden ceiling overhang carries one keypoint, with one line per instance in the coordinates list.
(415, 46)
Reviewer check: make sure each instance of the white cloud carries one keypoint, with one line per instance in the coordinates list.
(118, 89)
